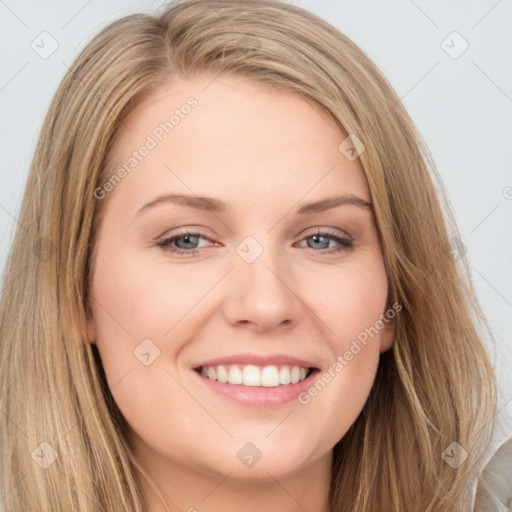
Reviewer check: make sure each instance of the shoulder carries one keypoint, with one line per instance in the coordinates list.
(494, 485)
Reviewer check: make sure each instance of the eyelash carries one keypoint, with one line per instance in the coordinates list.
(346, 244)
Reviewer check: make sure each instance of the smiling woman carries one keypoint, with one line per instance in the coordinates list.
(264, 311)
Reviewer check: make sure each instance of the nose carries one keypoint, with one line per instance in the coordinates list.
(260, 295)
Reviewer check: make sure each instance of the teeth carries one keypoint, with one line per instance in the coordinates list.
(284, 375)
(222, 374)
(235, 375)
(251, 376)
(294, 375)
(269, 377)
(255, 376)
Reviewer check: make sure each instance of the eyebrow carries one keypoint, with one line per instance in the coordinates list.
(217, 206)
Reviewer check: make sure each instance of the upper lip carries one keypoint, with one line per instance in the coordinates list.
(258, 360)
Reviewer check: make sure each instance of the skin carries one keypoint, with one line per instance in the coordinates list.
(264, 152)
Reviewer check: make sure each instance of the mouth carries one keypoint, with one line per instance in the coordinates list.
(251, 375)
(257, 383)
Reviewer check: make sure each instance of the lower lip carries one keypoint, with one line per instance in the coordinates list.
(258, 395)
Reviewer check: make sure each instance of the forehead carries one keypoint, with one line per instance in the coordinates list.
(214, 134)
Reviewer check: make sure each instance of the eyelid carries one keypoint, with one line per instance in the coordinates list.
(189, 229)
(324, 231)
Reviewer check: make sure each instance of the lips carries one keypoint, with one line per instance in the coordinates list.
(258, 360)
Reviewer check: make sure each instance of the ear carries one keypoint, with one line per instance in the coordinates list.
(387, 334)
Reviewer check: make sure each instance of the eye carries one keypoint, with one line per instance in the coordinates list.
(324, 237)
(187, 242)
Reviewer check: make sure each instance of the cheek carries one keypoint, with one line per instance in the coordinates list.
(142, 309)
(137, 300)
(349, 300)
(135, 307)
(350, 304)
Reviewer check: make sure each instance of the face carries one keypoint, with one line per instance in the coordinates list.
(268, 282)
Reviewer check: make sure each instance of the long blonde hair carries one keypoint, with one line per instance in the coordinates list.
(434, 387)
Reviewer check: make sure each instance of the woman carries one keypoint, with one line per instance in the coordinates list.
(254, 370)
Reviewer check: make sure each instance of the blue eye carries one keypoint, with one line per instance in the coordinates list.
(344, 243)
(187, 243)
(189, 239)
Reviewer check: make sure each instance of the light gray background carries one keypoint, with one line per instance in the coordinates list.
(462, 106)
